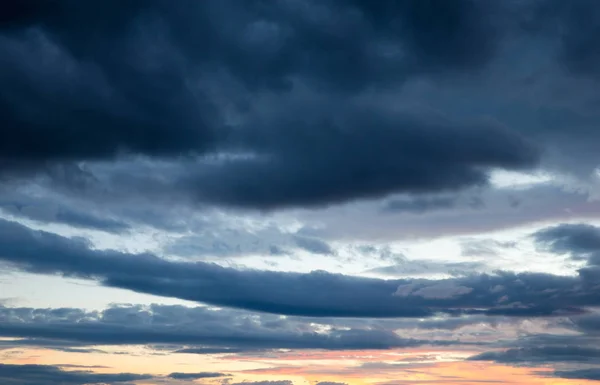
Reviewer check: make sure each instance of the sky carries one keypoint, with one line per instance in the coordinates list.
(299, 192)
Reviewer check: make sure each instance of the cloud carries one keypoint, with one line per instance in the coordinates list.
(418, 268)
(314, 294)
(565, 357)
(419, 205)
(589, 324)
(55, 374)
(197, 330)
(575, 21)
(297, 105)
(283, 174)
(568, 238)
(330, 383)
(47, 374)
(47, 210)
(581, 241)
(579, 374)
(228, 125)
(227, 242)
(145, 83)
(543, 202)
(280, 43)
(313, 245)
(209, 350)
(280, 382)
(485, 247)
(542, 355)
(195, 376)
(63, 346)
(100, 106)
(570, 347)
(226, 238)
(442, 290)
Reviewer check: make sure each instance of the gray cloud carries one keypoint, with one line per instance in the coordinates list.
(579, 374)
(63, 346)
(315, 294)
(545, 202)
(209, 350)
(589, 324)
(313, 245)
(572, 350)
(412, 268)
(581, 241)
(485, 247)
(47, 374)
(419, 205)
(46, 210)
(195, 376)
(54, 374)
(232, 240)
(214, 241)
(568, 359)
(280, 382)
(542, 355)
(191, 330)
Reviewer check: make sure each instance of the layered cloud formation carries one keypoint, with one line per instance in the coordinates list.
(241, 181)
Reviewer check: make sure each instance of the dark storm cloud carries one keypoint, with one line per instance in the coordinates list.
(573, 23)
(580, 241)
(76, 89)
(48, 374)
(357, 153)
(339, 43)
(455, 35)
(164, 79)
(191, 330)
(581, 54)
(314, 294)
